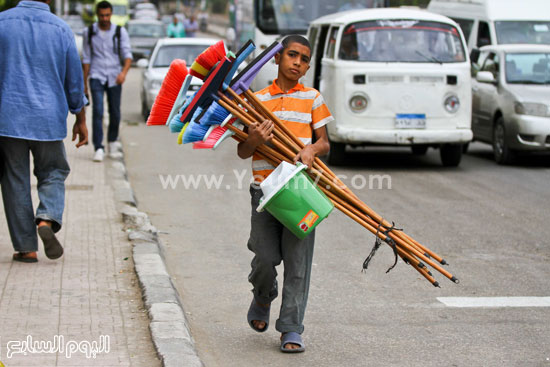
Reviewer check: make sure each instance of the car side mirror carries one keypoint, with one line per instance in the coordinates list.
(485, 77)
(143, 63)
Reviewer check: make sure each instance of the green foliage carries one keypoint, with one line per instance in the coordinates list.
(7, 4)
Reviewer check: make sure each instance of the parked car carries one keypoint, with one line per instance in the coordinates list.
(77, 25)
(155, 69)
(393, 77)
(511, 99)
(143, 36)
(145, 11)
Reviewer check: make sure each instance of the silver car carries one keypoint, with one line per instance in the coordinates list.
(155, 69)
(511, 99)
(143, 36)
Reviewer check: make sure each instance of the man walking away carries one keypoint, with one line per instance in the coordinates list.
(40, 82)
(106, 59)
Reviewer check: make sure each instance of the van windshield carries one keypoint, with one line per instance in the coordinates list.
(528, 68)
(401, 41)
(532, 32)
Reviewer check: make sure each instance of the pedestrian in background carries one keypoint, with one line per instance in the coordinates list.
(191, 26)
(40, 82)
(106, 59)
(175, 29)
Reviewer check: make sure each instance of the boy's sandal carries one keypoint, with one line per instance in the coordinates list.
(25, 257)
(258, 313)
(292, 338)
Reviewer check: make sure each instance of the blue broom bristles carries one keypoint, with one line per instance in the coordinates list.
(214, 115)
(175, 124)
(194, 132)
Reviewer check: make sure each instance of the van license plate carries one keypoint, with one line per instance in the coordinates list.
(410, 121)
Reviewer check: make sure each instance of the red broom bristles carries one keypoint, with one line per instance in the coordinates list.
(207, 59)
(168, 93)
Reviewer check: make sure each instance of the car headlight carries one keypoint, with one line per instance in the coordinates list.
(358, 103)
(532, 109)
(156, 84)
(451, 104)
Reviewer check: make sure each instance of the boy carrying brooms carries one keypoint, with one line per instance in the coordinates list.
(304, 112)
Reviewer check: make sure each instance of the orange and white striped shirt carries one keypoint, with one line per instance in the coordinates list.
(301, 109)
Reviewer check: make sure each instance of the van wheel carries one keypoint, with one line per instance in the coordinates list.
(337, 154)
(419, 149)
(451, 154)
(502, 153)
(465, 148)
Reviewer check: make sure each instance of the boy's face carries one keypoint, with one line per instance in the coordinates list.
(293, 61)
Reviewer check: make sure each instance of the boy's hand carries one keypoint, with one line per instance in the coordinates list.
(306, 156)
(260, 133)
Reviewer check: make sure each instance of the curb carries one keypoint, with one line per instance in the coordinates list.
(168, 325)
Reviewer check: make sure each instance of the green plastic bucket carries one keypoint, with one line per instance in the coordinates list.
(292, 197)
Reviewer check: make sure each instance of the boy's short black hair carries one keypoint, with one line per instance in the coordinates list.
(295, 38)
(103, 5)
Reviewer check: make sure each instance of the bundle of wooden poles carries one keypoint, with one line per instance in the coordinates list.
(284, 147)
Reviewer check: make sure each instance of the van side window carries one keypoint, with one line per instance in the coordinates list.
(312, 37)
(466, 26)
(331, 49)
(483, 35)
(491, 64)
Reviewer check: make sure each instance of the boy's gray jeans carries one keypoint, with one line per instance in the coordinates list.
(271, 242)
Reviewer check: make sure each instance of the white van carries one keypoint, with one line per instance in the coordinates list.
(396, 77)
(491, 22)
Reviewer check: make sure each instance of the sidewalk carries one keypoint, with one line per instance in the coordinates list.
(90, 297)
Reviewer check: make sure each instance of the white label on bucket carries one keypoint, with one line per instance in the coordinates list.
(308, 221)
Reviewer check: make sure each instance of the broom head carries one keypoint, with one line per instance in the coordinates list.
(207, 59)
(168, 93)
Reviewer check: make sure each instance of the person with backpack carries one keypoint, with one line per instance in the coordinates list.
(106, 59)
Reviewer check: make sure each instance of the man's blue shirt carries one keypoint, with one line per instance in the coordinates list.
(40, 73)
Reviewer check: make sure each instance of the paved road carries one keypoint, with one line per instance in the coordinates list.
(490, 223)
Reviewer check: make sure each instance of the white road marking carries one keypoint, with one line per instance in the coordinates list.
(495, 301)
